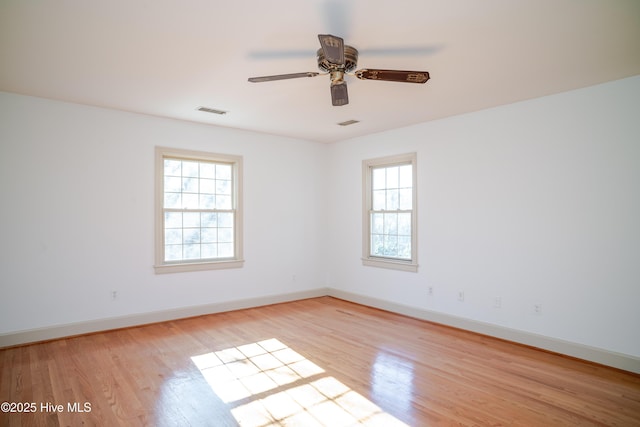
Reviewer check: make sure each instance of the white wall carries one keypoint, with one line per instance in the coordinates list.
(536, 202)
(76, 189)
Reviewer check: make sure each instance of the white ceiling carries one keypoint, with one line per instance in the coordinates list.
(168, 57)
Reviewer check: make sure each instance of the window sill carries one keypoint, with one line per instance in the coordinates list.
(197, 266)
(390, 264)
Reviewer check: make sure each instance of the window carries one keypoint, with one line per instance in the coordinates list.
(198, 211)
(389, 212)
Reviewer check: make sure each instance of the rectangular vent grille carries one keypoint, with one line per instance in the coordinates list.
(212, 110)
(349, 122)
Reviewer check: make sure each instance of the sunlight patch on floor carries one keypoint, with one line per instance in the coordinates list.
(268, 384)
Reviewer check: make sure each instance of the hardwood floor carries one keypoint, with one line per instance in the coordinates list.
(320, 361)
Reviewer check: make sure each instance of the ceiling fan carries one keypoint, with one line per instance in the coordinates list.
(337, 59)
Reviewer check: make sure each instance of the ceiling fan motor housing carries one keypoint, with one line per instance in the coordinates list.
(350, 61)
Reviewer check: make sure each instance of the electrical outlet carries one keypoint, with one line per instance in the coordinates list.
(497, 302)
(460, 295)
(537, 308)
(430, 291)
(114, 295)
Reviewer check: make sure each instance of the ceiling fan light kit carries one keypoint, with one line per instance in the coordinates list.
(337, 59)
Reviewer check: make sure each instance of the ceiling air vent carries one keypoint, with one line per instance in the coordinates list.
(212, 110)
(348, 122)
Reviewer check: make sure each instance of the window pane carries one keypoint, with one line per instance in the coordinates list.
(393, 177)
(390, 245)
(207, 186)
(406, 176)
(378, 179)
(223, 172)
(379, 200)
(190, 169)
(207, 201)
(172, 167)
(172, 184)
(377, 223)
(173, 236)
(173, 220)
(225, 235)
(191, 251)
(390, 223)
(404, 247)
(190, 185)
(225, 220)
(191, 235)
(191, 219)
(225, 250)
(207, 170)
(190, 201)
(173, 253)
(223, 187)
(393, 200)
(404, 224)
(209, 250)
(208, 219)
(209, 235)
(223, 202)
(405, 199)
(172, 200)
(377, 245)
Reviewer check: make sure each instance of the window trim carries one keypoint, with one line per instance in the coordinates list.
(367, 258)
(161, 266)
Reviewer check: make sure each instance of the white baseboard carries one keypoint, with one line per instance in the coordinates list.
(99, 325)
(580, 351)
(593, 354)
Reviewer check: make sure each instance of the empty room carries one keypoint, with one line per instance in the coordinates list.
(320, 213)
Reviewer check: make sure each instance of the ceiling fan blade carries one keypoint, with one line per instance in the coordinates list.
(281, 54)
(309, 53)
(332, 48)
(425, 50)
(393, 75)
(339, 95)
(281, 77)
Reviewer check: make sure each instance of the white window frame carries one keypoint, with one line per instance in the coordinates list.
(162, 266)
(379, 261)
